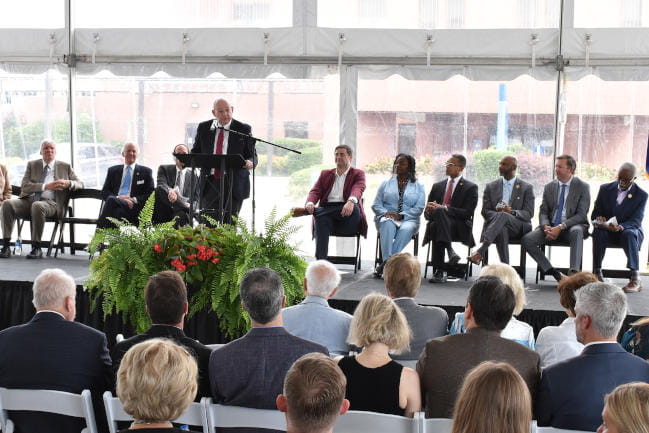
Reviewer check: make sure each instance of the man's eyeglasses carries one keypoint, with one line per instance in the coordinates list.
(451, 164)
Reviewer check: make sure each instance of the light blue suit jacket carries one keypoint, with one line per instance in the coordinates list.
(387, 199)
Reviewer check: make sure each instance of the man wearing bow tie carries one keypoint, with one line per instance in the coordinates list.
(624, 200)
(175, 190)
(44, 194)
(126, 188)
(214, 137)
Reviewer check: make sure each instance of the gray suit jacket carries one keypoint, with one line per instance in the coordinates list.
(250, 371)
(576, 204)
(521, 201)
(425, 323)
(32, 184)
(167, 178)
(446, 360)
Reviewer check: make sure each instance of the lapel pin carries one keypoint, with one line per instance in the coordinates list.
(630, 195)
(518, 186)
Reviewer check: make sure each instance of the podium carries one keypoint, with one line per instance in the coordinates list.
(206, 162)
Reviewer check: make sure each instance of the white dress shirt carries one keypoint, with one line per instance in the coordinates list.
(336, 194)
(558, 343)
(226, 135)
(48, 194)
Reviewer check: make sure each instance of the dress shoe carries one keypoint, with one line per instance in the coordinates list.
(438, 277)
(454, 259)
(378, 271)
(35, 253)
(633, 286)
(475, 258)
(5, 253)
(558, 276)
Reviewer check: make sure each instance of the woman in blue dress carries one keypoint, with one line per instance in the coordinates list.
(398, 206)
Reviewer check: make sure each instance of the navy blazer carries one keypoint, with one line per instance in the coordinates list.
(141, 183)
(571, 395)
(50, 352)
(237, 145)
(629, 214)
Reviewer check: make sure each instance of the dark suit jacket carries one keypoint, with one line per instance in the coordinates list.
(237, 145)
(446, 360)
(571, 395)
(629, 214)
(49, 352)
(167, 178)
(461, 209)
(200, 352)
(141, 183)
(32, 184)
(425, 323)
(521, 201)
(354, 187)
(576, 204)
(250, 371)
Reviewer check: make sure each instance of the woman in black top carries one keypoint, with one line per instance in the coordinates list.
(375, 382)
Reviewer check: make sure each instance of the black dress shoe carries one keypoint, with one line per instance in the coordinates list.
(5, 253)
(35, 253)
(438, 277)
(454, 259)
(378, 271)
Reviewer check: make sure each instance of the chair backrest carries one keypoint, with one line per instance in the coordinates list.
(16, 190)
(220, 416)
(41, 400)
(557, 430)
(436, 425)
(355, 421)
(410, 363)
(194, 415)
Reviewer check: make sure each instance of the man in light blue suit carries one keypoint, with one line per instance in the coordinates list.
(625, 201)
(314, 319)
(571, 394)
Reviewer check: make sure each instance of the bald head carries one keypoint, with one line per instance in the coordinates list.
(626, 175)
(222, 111)
(508, 166)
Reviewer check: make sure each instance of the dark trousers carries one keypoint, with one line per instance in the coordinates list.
(498, 229)
(328, 220)
(441, 228)
(211, 192)
(629, 239)
(165, 210)
(117, 208)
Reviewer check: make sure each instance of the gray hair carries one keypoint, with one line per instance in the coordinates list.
(51, 287)
(132, 144)
(47, 141)
(629, 166)
(321, 278)
(605, 304)
(262, 292)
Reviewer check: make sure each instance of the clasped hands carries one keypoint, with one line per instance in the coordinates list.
(432, 205)
(129, 200)
(58, 185)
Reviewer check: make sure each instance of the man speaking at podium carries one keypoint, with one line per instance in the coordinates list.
(213, 137)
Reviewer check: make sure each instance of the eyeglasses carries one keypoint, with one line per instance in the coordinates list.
(451, 164)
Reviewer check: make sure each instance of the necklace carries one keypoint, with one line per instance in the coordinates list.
(402, 182)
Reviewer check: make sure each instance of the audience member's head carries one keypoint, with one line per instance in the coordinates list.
(402, 275)
(156, 381)
(640, 342)
(626, 409)
(569, 285)
(600, 308)
(262, 295)
(509, 276)
(490, 304)
(321, 279)
(55, 290)
(377, 319)
(493, 399)
(165, 296)
(314, 394)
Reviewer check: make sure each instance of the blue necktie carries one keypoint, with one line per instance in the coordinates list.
(507, 192)
(562, 199)
(126, 183)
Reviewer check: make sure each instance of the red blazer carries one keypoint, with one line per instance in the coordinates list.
(354, 186)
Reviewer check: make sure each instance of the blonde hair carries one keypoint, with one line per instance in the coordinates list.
(402, 275)
(509, 276)
(157, 380)
(377, 319)
(493, 399)
(628, 407)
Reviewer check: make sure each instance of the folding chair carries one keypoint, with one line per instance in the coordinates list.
(70, 219)
(429, 262)
(355, 421)
(378, 254)
(41, 400)
(354, 260)
(556, 243)
(522, 261)
(220, 416)
(436, 425)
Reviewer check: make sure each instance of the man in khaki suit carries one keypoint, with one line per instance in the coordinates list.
(44, 194)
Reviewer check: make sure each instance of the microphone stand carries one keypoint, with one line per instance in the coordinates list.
(255, 139)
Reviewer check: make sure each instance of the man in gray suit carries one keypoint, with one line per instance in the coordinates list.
(250, 371)
(507, 209)
(446, 360)
(174, 191)
(402, 275)
(314, 319)
(563, 216)
(44, 194)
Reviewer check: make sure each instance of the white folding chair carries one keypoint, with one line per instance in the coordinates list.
(221, 416)
(557, 430)
(436, 425)
(355, 421)
(194, 415)
(42, 400)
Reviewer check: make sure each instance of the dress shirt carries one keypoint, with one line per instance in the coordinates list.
(621, 193)
(565, 199)
(558, 343)
(515, 330)
(50, 311)
(336, 194)
(124, 174)
(226, 134)
(508, 187)
(313, 319)
(48, 194)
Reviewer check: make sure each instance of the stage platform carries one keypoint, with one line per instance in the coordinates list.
(17, 275)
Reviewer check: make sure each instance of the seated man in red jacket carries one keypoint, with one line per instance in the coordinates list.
(338, 193)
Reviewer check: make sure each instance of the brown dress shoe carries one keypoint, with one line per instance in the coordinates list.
(475, 258)
(632, 286)
(299, 211)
